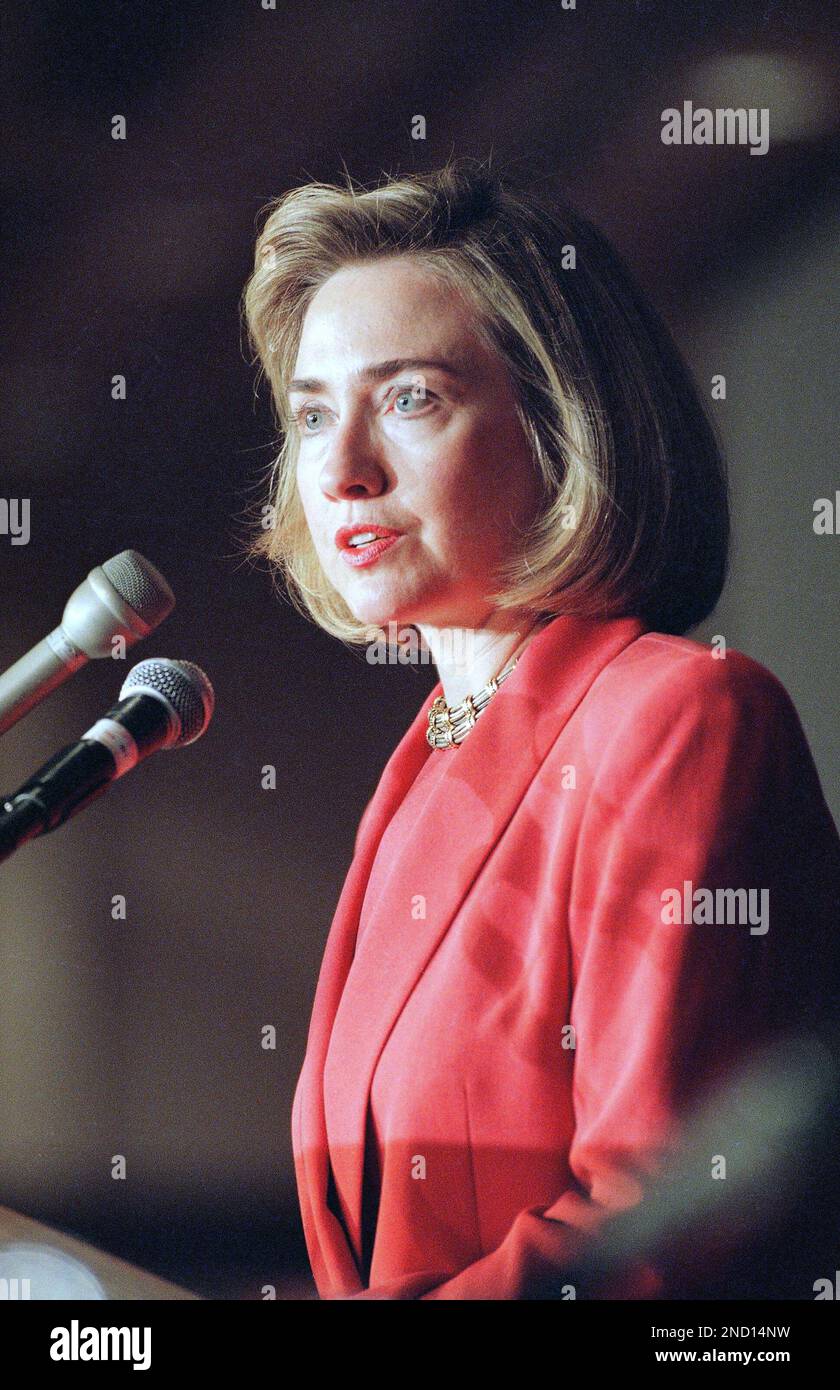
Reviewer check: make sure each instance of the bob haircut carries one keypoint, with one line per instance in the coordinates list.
(634, 518)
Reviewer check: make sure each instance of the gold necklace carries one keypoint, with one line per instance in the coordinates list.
(449, 724)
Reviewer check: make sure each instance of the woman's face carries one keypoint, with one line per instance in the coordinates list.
(406, 420)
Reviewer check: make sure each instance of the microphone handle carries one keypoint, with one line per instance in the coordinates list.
(21, 822)
(36, 675)
(77, 775)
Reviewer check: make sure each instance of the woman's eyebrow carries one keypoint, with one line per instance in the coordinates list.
(380, 371)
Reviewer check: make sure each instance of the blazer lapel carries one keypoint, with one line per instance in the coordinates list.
(333, 1263)
(358, 1000)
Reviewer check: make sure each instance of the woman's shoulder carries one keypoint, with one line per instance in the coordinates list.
(670, 730)
(694, 699)
(663, 670)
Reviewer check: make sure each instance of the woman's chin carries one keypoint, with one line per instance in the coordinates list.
(375, 613)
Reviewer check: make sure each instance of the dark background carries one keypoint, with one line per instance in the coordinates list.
(143, 1037)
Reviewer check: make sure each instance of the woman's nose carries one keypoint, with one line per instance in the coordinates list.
(353, 463)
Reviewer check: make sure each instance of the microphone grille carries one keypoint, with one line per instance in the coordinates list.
(183, 685)
(141, 585)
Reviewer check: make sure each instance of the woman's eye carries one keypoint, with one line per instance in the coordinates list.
(408, 400)
(414, 400)
(305, 417)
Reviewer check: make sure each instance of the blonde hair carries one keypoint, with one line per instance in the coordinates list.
(635, 511)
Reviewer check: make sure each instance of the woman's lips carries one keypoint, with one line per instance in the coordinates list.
(369, 554)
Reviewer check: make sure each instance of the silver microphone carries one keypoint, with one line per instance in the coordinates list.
(126, 597)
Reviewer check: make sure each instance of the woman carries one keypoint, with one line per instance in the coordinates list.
(522, 994)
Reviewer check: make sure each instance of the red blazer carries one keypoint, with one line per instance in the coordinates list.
(615, 766)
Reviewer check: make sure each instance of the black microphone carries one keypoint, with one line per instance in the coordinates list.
(162, 704)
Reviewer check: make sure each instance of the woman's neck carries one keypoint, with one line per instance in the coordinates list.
(467, 658)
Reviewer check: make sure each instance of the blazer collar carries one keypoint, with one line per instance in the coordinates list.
(486, 778)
